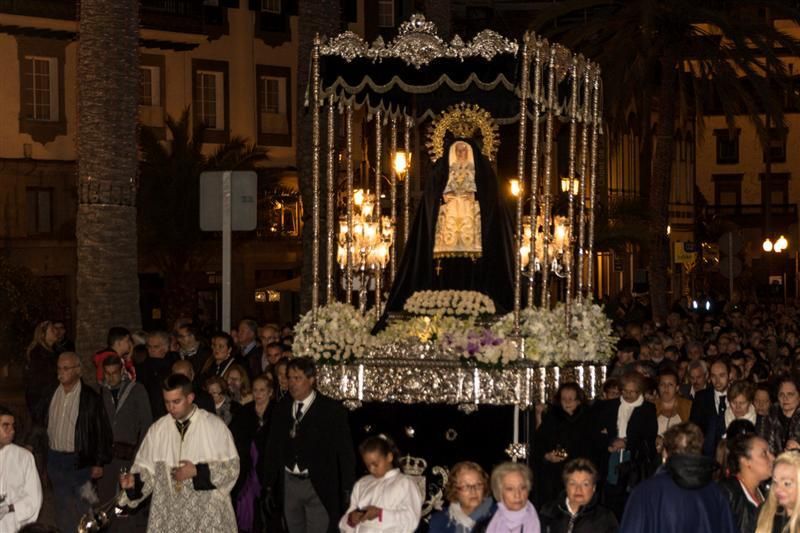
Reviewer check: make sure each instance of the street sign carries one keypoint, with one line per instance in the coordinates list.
(244, 195)
(731, 243)
(730, 267)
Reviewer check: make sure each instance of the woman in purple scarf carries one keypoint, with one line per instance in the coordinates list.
(511, 484)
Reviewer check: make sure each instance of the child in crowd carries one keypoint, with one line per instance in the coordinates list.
(384, 500)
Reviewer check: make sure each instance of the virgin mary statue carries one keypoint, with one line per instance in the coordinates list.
(461, 236)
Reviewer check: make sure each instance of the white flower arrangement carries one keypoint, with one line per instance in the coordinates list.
(547, 340)
(593, 332)
(455, 303)
(341, 335)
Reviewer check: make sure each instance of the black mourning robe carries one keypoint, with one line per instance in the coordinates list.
(491, 274)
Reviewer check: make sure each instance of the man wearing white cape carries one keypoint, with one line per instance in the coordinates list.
(189, 463)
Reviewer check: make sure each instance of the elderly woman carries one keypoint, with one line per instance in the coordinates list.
(470, 506)
(739, 407)
(565, 433)
(628, 428)
(783, 422)
(577, 510)
(511, 485)
(223, 406)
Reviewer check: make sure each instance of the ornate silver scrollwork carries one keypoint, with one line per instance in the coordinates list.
(418, 43)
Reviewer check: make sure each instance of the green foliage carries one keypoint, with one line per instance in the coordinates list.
(169, 196)
(26, 302)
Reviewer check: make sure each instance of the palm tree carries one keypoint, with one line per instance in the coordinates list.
(675, 57)
(319, 17)
(108, 82)
(169, 193)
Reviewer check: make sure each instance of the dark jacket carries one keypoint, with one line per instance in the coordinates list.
(703, 408)
(640, 440)
(323, 438)
(441, 523)
(559, 430)
(681, 497)
(246, 428)
(773, 431)
(198, 360)
(39, 375)
(716, 433)
(92, 430)
(591, 518)
(151, 373)
(129, 415)
(745, 514)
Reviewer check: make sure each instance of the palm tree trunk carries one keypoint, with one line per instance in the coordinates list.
(659, 191)
(108, 80)
(321, 17)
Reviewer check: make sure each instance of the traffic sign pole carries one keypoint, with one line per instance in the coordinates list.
(226, 250)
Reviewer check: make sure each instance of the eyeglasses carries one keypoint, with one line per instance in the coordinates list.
(470, 488)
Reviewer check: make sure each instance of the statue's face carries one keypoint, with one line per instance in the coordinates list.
(462, 151)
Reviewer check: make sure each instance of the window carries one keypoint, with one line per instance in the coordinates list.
(777, 147)
(271, 6)
(727, 147)
(210, 99)
(41, 88)
(727, 189)
(775, 190)
(386, 13)
(274, 106)
(39, 210)
(150, 86)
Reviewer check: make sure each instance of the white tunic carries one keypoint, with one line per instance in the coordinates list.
(184, 509)
(396, 493)
(19, 481)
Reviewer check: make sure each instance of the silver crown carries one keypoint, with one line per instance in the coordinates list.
(413, 466)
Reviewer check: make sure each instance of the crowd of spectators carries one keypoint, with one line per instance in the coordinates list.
(697, 429)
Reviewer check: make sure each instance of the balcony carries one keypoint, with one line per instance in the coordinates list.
(180, 16)
(754, 215)
(52, 9)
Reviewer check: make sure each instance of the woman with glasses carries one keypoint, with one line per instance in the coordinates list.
(781, 512)
(739, 406)
(577, 509)
(470, 505)
(565, 433)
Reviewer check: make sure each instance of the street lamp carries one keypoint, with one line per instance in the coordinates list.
(780, 244)
(401, 162)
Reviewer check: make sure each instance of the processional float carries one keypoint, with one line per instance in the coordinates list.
(450, 346)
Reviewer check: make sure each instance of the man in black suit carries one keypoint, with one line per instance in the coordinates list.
(712, 401)
(309, 459)
(249, 348)
(698, 379)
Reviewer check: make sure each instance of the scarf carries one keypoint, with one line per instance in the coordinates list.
(729, 417)
(624, 415)
(463, 522)
(523, 521)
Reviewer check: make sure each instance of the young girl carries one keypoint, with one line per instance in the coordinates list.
(385, 500)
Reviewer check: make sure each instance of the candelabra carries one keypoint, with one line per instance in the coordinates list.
(557, 242)
(370, 244)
